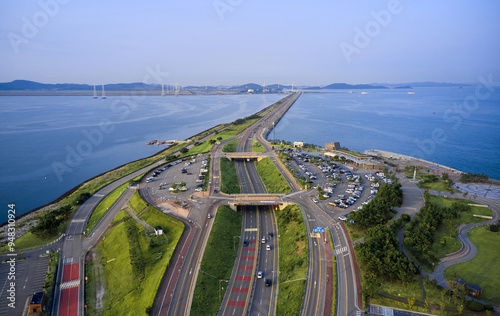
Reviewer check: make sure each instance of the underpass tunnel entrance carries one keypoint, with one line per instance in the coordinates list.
(250, 159)
(252, 205)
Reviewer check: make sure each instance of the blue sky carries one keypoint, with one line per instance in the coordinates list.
(228, 42)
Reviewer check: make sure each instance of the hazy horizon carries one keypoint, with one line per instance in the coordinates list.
(221, 42)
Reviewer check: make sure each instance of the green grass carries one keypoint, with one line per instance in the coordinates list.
(293, 260)
(334, 274)
(217, 262)
(49, 277)
(229, 178)
(28, 240)
(272, 177)
(484, 269)
(120, 216)
(404, 291)
(125, 295)
(104, 206)
(231, 146)
(257, 147)
(438, 186)
(137, 203)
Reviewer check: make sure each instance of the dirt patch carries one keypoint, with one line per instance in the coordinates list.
(176, 207)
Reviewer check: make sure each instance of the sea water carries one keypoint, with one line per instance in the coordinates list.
(453, 126)
(49, 144)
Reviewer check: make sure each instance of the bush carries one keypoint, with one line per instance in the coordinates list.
(183, 150)
(474, 306)
(494, 228)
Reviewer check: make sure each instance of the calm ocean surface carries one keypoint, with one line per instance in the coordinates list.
(50, 144)
(433, 124)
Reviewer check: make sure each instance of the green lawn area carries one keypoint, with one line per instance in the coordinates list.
(124, 294)
(293, 260)
(103, 206)
(257, 147)
(217, 262)
(137, 203)
(28, 240)
(229, 178)
(231, 146)
(405, 291)
(484, 269)
(438, 186)
(120, 216)
(272, 177)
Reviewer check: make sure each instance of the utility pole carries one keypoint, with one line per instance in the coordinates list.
(273, 132)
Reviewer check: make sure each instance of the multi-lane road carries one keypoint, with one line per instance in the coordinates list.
(246, 293)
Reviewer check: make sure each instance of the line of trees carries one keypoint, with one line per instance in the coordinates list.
(380, 257)
(474, 177)
(48, 225)
(378, 210)
(419, 235)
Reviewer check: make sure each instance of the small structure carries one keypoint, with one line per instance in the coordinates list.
(299, 144)
(36, 303)
(471, 289)
(332, 146)
(158, 231)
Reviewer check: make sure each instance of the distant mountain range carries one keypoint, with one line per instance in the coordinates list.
(25, 85)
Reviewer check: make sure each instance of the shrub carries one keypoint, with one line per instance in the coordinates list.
(474, 306)
(494, 228)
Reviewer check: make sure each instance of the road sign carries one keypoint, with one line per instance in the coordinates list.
(319, 229)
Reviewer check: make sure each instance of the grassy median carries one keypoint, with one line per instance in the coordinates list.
(130, 284)
(217, 262)
(257, 147)
(104, 206)
(136, 203)
(231, 146)
(229, 177)
(272, 177)
(293, 260)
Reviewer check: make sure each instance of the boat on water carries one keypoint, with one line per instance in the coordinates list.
(364, 92)
(95, 93)
(410, 92)
(103, 95)
(162, 90)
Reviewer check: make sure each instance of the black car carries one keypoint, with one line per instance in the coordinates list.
(268, 282)
(245, 243)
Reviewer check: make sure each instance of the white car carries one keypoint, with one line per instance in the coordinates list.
(259, 275)
(315, 200)
(268, 247)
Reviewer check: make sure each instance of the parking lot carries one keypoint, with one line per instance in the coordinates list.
(341, 189)
(177, 180)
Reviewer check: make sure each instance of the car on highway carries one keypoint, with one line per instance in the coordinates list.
(264, 239)
(245, 243)
(315, 200)
(268, 247)
(260, 274)
(268, 282)
(209, 215)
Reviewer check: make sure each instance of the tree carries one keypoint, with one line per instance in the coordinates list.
(460, 308)
(184, 150)
(371, 285)
(442, 305)
(411, 302)
(427, 305)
